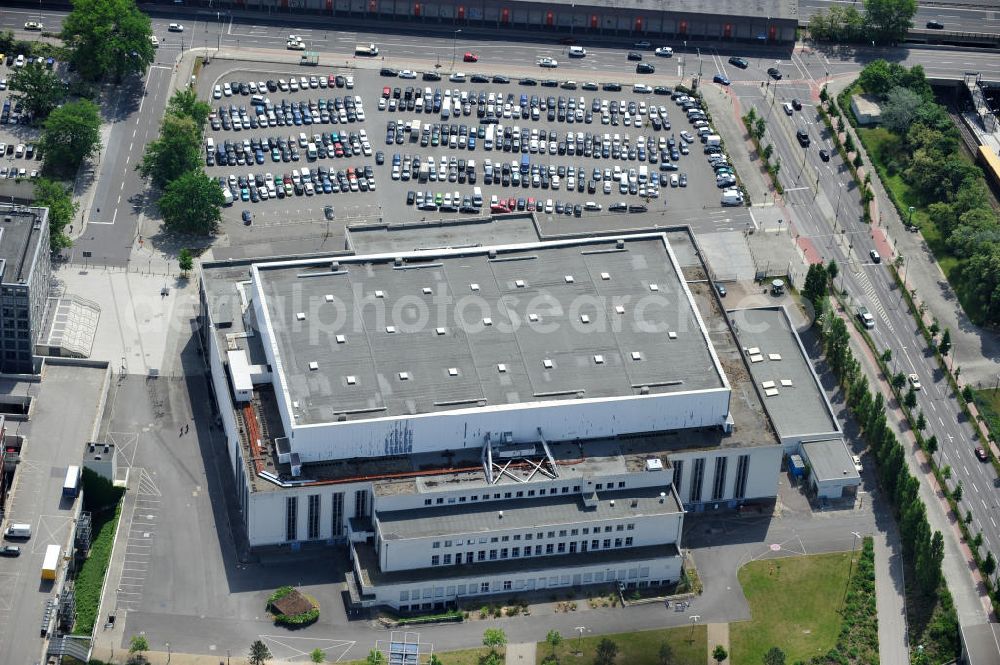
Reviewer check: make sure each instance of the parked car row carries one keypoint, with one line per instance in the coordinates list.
(19, 151)
(264, 113)
(642, 181)
(447, 201)
(299, 182)
(12, 113)
(281, 149)
(15, 172)
(292, 84)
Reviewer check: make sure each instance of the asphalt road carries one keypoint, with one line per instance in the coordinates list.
(977, 16)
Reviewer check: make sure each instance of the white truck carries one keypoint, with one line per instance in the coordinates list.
(368, 50)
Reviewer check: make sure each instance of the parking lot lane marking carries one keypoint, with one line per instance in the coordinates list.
(975, 488)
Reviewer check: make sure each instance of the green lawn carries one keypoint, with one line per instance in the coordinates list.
(988, 403)
(795, 605)
(688, 647)
(90, 579)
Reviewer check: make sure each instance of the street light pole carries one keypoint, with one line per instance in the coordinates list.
(909, 220)
(454, 48)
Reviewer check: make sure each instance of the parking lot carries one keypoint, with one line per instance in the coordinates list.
(19, 157)
(404, 149)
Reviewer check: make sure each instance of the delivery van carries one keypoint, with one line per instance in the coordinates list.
(19, 531)
(732, 197)
(477, 196)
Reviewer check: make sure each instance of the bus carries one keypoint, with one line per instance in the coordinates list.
(71, 487)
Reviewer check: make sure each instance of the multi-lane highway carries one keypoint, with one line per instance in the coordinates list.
(977, 16)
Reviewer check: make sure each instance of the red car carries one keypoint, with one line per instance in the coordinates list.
(981, 454)
(512, 203)
(471, 57)
(386, 92)
(331, 81)
(499, 208)
(531, 204)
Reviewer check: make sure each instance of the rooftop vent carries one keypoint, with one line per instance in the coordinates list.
(620, 243)
(440, 331)
(474, 286)
(341, 339)
(672, 335)
(500, 514)
(351, 380)
(519, 283)
(636, 355)
(584, 318)
(452, 371)
(398, 261)
(654, 464)
(404, 376)
(644, 390)
(334, 266)
(533, 318)
(390, 329)
(612, 503)
(605, 276)
(663, 496)
(380, 294)
(547, 364)
(313, 366)
(493, 253)
(428, 290)
(569, 279)
(599, 359)
(301, 316)
(92, 447)
(501, 368)
(341, 417)
(487, 321)
(329, 297)
(620, 309)
(654, 287)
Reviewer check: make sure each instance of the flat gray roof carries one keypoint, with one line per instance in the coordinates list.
(758, 9)
(524, 513)
(19, 239)
(484, 327)
(830, 460)
(442, 233)
(798, 409)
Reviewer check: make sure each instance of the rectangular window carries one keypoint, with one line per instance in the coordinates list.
(435, 560)
(531, 492)
(447, 543)
(313, 516)
(549, 548)
(586, 530)
(628, 541)
(515, 552)
(631, 527)
(493, 555)
(468, 557)
(436, 545)
(338, 514)
(565, 490)
(595, 544)
(507, 585)
(561, 549)
(291, 517)
(520, 495)
(742, 471)
(607, 529)
(504, 539)
(528, 536)
(361, 503)
(619, 527)
(427, 502)
(583, 545)
(447, 559)
(618, 542)
(538, 550)
(474, 497)
(506, 495)
(576, 488)
(719, 483)
(574, 532)
(678, 475)
(503, 552)
(482, 555)
(517, 536)
(621, 484)
(484, 587)
(607, 543)
(562, 533)
(572, 547)
(697, 476)
(552, 534)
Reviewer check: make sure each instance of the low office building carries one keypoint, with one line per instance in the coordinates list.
(487, 419)
(25, 269)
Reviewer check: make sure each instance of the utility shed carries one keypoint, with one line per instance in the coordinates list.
(832, 467)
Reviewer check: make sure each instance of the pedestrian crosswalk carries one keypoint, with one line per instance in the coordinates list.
(874, 303)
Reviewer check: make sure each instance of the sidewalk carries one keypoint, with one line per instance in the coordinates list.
(972, 603)
(718, 635)
(977, 350)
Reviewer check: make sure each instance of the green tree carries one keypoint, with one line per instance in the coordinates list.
(832, 270)
(977, 540)
(759, 127)
(967, 394)
(768, 151)
(59, 200)
(494, 638)
(989, 564)
(899, 380)
(931, 444)
(910, 399)
(375, 657)
(259, 653)
(815, 288)
(434, 660)
(934, 327)
(192, 204)
(175, 152)
(607, 651)
(553, 638)
(491, 658)
(945, 346)
(720, 653)
(921, 422)
(900, 109)
(109, 38)
(317, 655)
(957, 493)
(138, 644)
(185, 103)
(665, 655)
(859, 162)
(774, 656)
(887, 356)
(185, 261)
(889, 20)
(38, 88)
(71, 134)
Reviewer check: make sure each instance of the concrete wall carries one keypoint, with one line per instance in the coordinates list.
(267, 512)
(762, 476)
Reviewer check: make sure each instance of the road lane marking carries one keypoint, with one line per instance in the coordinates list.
(974, 487)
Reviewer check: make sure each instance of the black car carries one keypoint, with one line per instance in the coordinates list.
(411, 196)
(431, 76)
(645, 68)
(549, 83)
(480, 78)
(247, 217)
(803, 138)
(499, 79)
(10, 550)
(612, 87)
(721, 289)
(528, 82)
(935, 25)
(388, 71)
(589, 86)
(736, 61)
(340, 81)
(824, 155)
(662, 90)
(637, 207)
(774, 73)
(797, 105)
(634, 55)
(618, 207)
(272, 86)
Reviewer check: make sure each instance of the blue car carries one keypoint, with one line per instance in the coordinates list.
(720, 78)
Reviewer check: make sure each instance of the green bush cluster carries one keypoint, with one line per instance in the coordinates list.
(293, 620)
(450, 615)
(883, 21)
(858, 638)
(756, 126)
(90, 577)
(920, 145)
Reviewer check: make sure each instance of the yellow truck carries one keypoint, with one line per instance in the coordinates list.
(51, 562)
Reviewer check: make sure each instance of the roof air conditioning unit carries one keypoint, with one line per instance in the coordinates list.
(398, 261)
(493, 253)
(620, 243)
(335, 266)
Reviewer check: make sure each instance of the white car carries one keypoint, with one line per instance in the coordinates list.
(154, 41)
(407, 74)
(591, 205)
(217, 92)
(19, 61)
(3, 84)
(549, 63)
(457, 77)
(914, 381)
(175, 27)
(295, 46)
(641, 88)
(33, 25)
(577, 52)
(664, 52)
(857, 463)
(349, 82)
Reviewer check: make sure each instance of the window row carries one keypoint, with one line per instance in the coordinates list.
(518, 552)
(541, 535)
(520, 494)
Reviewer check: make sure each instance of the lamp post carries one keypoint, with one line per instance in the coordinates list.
(909, 220)
(454, 48)
(168, 653)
